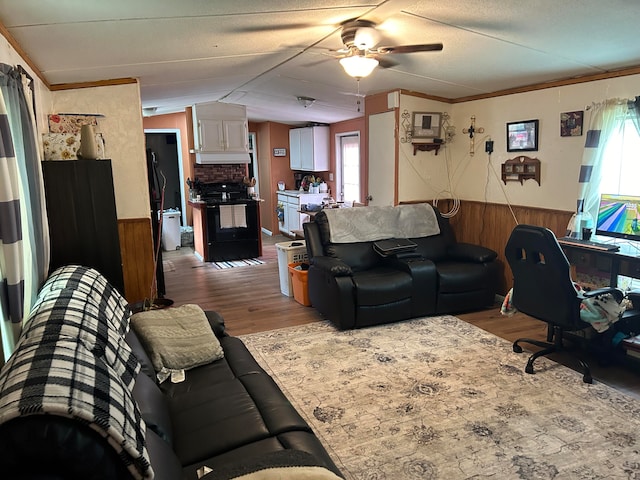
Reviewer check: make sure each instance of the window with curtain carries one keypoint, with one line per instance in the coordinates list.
(621, 159)
(24, 236)
(607, 156)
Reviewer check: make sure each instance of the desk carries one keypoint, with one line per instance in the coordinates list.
(612, 264)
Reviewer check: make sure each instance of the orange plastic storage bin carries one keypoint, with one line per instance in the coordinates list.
(299, 283)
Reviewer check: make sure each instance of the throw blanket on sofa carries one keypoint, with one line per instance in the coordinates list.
(72, 361)
(369, 224)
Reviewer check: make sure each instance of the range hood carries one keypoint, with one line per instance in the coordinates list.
(223, 157)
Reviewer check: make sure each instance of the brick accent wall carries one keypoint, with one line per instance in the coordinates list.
(220, 173)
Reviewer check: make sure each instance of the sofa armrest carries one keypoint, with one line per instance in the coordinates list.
(424, 277)
(332, 266)
(217, 323)
(469, 252)
(404, 256)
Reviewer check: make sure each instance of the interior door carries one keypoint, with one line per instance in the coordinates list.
(382, 159)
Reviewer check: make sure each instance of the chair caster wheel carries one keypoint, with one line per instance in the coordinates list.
(529, 369)
(517, 348)
(587, 379)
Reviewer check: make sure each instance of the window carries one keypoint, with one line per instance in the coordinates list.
(349, 168)
(621, 160)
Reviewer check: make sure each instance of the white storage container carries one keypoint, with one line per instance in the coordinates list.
(289, 252)
(171, 230)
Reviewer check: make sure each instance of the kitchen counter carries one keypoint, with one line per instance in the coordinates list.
(298, 193)
(292, 201)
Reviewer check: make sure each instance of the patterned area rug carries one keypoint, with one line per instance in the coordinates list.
(438, 398)
(236, 263)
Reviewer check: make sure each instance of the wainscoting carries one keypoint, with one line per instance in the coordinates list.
(136, 248)
(491, 224)
(486, 224)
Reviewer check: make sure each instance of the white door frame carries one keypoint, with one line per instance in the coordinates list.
(339, 164)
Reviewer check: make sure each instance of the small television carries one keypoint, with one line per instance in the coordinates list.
(619, 217)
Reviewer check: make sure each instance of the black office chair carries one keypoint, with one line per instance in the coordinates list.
(543, 289)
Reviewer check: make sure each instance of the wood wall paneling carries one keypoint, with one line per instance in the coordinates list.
(490, 225)
(136, 247)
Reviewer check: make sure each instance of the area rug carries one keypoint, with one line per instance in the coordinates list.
(438, 398)
(236, 263)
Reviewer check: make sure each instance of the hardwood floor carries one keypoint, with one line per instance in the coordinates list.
(250, 300)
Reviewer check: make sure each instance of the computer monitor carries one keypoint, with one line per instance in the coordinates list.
(619, 217)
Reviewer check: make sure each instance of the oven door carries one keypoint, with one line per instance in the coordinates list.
(227, 236)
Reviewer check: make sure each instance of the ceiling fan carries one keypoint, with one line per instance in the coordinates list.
(360, 56)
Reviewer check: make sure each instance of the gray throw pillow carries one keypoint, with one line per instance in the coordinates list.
(177, 338)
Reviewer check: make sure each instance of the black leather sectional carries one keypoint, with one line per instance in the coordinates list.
(226, 419)
(354, 286)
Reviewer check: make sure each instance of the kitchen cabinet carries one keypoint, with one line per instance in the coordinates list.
(292, 201)
(223, 136)
(81, 208)
(221, 133)
(309, 149)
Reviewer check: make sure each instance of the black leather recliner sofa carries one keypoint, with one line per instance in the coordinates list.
(354, 286)
(228, 417)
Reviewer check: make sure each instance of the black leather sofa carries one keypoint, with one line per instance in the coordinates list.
(227, 418)
(354, 286)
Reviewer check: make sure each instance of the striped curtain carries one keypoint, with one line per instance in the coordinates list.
(605, 118)
(24, 240)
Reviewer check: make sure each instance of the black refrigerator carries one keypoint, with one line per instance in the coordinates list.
(81, 208)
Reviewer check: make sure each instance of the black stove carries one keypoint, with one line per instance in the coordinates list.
(232, 225)
(223, 192)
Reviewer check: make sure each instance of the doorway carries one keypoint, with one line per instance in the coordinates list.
(165, 145)
(348, 177)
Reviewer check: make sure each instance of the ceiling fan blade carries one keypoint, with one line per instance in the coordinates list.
(427, 47)
(386, 62)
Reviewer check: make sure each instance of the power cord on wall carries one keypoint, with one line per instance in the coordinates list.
(450, 175)
(456, 201)
(504, 192)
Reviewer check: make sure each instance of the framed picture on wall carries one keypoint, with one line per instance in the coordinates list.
(426, 124)
(571, 124)
(522, 136)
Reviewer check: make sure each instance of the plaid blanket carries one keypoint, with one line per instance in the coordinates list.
(72, 360)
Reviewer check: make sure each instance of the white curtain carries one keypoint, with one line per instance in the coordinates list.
(24, 240)
(605, 117)
(634, 113)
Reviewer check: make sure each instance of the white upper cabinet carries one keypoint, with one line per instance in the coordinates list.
(221, 133)
(309, 149)
(223, 136)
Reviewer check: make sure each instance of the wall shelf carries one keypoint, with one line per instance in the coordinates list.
(521, 168)
(426, 147)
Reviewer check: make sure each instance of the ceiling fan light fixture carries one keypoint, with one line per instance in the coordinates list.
(358, 66)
